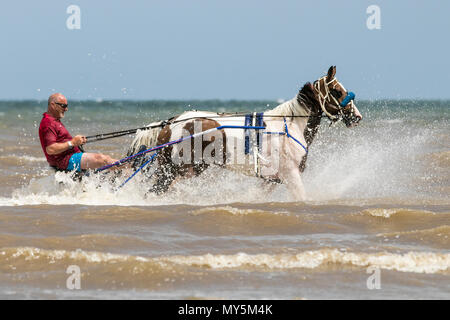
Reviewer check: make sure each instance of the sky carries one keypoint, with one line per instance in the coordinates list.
(233, 49)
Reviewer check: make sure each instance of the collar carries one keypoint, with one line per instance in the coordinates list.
(47, 115)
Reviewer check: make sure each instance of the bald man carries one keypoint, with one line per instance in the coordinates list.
(61, 150)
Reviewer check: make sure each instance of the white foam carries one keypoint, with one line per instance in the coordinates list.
(416, 262)
(214, 186)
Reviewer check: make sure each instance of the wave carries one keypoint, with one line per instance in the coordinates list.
(439, 231)
(32, 253)
(397, 212)
(418, 262)
(97, 241)
(19, 160)
(235, 211)
(415, 262)
(437, 237)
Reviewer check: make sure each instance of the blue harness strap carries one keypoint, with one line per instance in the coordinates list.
(259, 123)
(287, 134)
(140, 168)
(248, 122)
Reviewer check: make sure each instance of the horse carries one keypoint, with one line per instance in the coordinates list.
(272, 145)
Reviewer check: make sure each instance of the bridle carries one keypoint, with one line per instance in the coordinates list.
(328, 97)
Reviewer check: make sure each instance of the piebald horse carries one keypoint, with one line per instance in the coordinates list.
(272, 145)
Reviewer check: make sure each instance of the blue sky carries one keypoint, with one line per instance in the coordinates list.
(196, 49)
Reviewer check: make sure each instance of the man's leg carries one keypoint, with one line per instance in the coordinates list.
(95, 160)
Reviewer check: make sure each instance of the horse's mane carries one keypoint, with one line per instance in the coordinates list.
(304, 104)
(145, 137)
(307, 96)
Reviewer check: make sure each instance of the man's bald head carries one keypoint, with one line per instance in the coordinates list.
(56, 97)
(55, 108)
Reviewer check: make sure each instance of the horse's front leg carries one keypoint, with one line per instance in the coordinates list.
(294, 184)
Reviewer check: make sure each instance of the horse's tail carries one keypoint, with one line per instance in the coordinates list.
(147, 138)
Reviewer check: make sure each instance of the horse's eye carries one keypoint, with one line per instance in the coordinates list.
(335, 93)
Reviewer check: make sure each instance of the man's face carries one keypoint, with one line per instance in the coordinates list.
(60, 107)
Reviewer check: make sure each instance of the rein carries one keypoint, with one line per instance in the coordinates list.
(116, 134)
(322, 101)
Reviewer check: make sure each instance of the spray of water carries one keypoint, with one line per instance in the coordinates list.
(382, 158)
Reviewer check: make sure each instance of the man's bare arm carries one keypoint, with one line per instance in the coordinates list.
(57, 148)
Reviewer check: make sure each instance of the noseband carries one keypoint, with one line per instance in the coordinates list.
(349, 97)
(328, 96)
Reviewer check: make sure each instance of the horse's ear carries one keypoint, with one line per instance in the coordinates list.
(331, 73)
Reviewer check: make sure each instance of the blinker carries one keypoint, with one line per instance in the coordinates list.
(350, 96)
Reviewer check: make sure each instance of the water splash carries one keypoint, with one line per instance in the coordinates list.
(395, 153)
(372, 161)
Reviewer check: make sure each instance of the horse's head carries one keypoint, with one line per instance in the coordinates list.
(336, 102)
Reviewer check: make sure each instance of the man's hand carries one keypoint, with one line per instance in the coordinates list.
(78, 140)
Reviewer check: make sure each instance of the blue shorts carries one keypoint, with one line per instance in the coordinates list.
(75, 162)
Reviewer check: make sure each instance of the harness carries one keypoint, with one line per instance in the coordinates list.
(350, 96)
(257, 127)
(253, 122)
(256, 119)
(287, 134)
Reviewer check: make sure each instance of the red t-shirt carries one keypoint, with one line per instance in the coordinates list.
(52, 131)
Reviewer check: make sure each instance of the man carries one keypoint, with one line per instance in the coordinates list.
(61, 150)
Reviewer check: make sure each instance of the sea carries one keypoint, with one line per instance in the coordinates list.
(375, 223)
